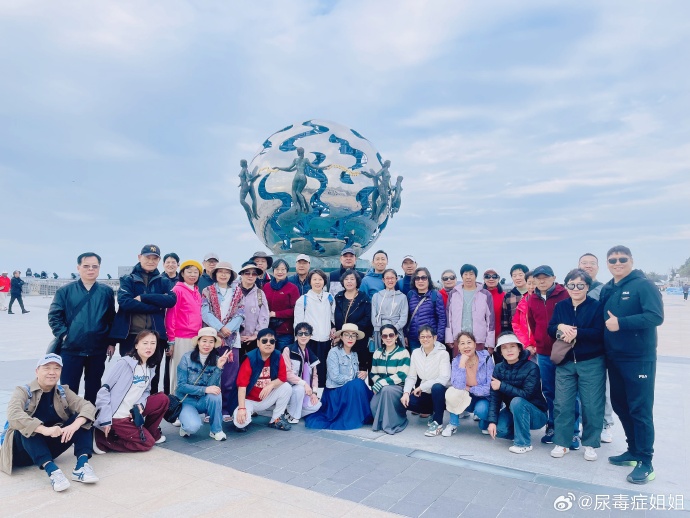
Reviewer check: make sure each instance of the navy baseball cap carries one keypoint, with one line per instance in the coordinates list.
(543, 270)
(151, 250)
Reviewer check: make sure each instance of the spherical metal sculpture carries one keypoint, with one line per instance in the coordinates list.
(317, 187)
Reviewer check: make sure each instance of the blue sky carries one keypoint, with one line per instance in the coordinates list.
(526, 131)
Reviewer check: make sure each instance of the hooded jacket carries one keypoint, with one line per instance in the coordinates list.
(183, 320)
(87, 333)
(5, 283)
(520, 324)
(521, 379)
(389, 307)
(316, 312)
(430, 369)
(372, 284)
(485, 369)
(483, 321)
(431, 312)
(589, 320)
(156, 296)
(115, 388)
(637, 304)
(539, 313)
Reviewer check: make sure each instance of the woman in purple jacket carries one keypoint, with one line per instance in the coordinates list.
(426, 308)
(471, 371)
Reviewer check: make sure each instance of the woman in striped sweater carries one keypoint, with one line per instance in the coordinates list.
(389, 369)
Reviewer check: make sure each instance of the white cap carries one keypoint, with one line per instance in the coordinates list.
(211, 255)
(411, 258)
(509, 338)
(304, 257)
(49, 358)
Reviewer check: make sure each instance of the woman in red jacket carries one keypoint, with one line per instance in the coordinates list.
(281, 296)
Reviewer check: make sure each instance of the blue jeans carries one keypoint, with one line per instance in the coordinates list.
(516, 422)
(283, 341)
(547, 371)
(480, 407)
(414, 344)
(210, 404)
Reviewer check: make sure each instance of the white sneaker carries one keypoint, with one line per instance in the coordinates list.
(183, 433)
(207, 419)
(475, 417)
(464, 415)
(59, 481)
(606, 434)
(559, 451)
(590, 453)
(218, 436)
(290, 419)
(449, 430)
(520, 449)
(485, 432)
(85, 474)
(162, 439)
(96, 449)
(177, 423)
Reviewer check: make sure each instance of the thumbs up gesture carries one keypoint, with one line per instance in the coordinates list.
(612, 323)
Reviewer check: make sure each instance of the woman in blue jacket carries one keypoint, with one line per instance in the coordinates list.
(425, 307)
(579, 321)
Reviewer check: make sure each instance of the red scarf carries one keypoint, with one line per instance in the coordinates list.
(235, 306)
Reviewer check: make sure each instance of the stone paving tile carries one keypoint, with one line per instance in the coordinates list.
(379, 501)
(408, 509)
(479, 511)
(328, 487)
(283, 475)
(445, 507)
(260, 469)
(353, 494)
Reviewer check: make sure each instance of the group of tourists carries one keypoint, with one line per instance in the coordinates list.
(340, 351)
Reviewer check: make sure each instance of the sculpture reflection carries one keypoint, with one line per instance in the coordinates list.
(299, 182)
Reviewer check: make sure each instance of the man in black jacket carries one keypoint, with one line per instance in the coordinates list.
(348, 260)
(80, 317)
(633, 308)
(142, 299)
(515, 382)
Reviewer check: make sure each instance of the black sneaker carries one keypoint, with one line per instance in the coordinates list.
(643, 473)
(624, 459)
(548, 436)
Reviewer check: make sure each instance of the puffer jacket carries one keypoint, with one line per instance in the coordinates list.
(156, 297)
(520, 324)
(483, 321)
(372, 284)
(485, 369)
(431, 312)
(5, 283)
(183, 320)
(521, 379)
(188, 372)
(16, 286)
(637, 304)
(115, 388)
(589, 320)
(88, 330)
(539, 313)
(430, 369)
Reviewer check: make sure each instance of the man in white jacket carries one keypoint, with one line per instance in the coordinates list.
(426, 383)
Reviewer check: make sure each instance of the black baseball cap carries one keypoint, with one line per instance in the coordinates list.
(151, 250)
(543, 270)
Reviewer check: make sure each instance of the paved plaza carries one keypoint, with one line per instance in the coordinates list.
(360, 472)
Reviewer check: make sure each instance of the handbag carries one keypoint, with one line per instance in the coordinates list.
(559, 350)
(172, 414)
(55, 344)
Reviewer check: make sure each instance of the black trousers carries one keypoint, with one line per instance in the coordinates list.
(39, 449)
(127, 345)
(321, 349)
(632, 398)
(18, 298)
(92, 367)
(430, 403)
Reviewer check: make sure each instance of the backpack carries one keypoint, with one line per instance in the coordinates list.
(331, 301)
(63, 397)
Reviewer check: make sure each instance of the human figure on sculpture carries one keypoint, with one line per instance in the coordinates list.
(299, 182)
(247, 180)
(396, 199)
(382, 182)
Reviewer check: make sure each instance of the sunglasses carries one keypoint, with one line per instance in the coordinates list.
(579, 286)
(621, 260)
(268, 341)
(350, 335)
(491, 276)
(387, 335)
(421, 278)
(304, 333)
(449, 278)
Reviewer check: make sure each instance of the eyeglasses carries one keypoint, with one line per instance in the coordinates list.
(250, 273)
(387, 335)
(268, 341)
(90, 266)
(304, 333)
(350, 335)
(579, 286)
(449, 278)
(621, 260)
(425, 337)
(491, 276)
(421, 278)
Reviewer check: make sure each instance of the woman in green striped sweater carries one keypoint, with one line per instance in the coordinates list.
(389, 369)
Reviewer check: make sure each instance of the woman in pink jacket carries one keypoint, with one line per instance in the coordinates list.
(183, 320)
(520, 325)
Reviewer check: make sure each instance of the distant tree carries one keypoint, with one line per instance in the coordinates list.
(655, 277)
(684, 271)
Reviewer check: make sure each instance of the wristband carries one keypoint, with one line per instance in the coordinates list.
(242, 408)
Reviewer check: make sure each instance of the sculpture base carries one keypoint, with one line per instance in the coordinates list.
(327, 264)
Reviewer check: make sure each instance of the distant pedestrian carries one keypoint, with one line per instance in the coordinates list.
(16, 285)
(81, 318)
(686, 289)
(5, 283)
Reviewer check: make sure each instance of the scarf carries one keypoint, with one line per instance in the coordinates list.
(278, 285)
(235, 306)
